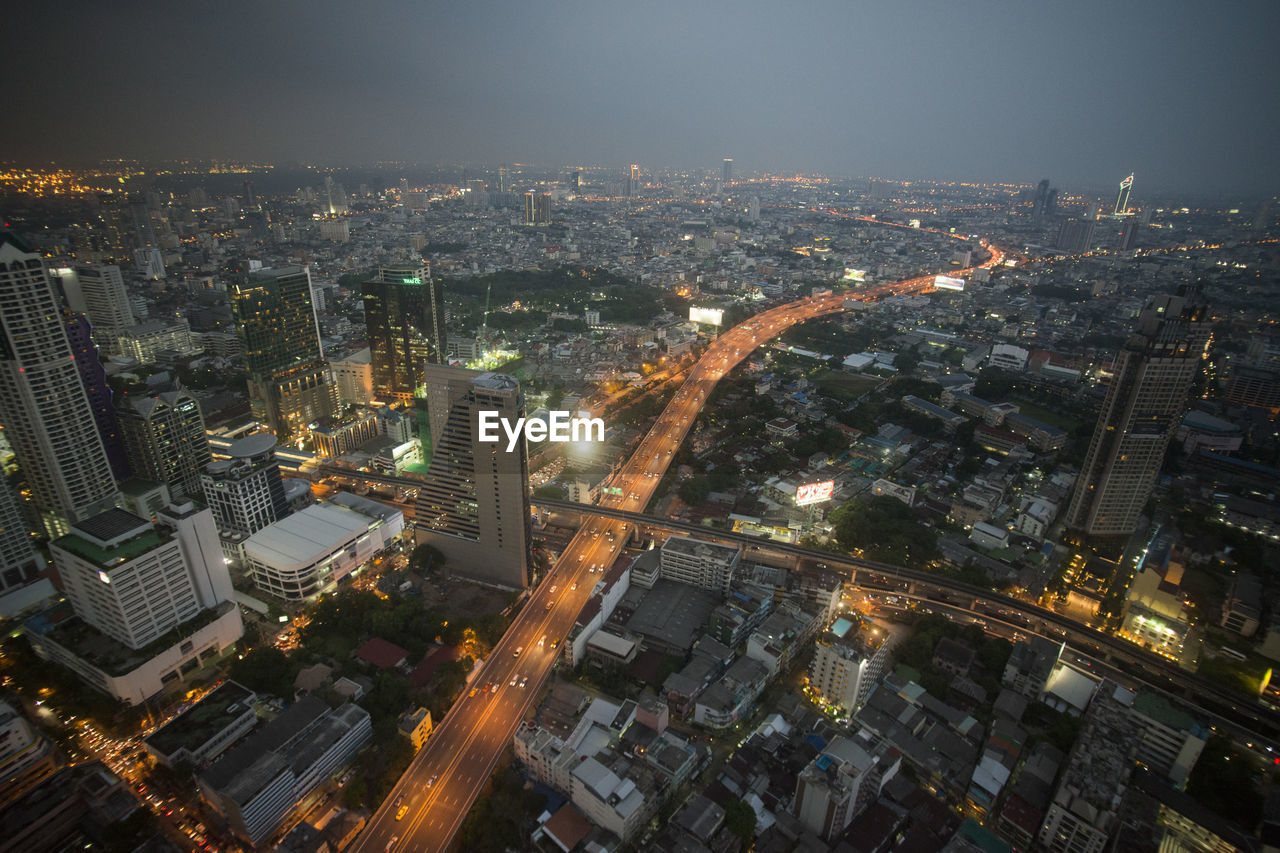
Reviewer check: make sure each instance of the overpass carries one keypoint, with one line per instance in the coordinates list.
(1240, 712)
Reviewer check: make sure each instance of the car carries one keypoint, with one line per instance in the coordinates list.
(519, 649)
(553, 589)
(399, 800)
(391, 843)
(573, 586)
(431, 781)
(401, 812)
(515, 679)
(548, 605)
(555, 644)
(474, 691)
(493, 687)
(524, 681)
(543, 641)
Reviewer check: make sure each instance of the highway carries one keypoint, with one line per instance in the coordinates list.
(427, 806)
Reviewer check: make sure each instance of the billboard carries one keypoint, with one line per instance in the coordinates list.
(815, 493)
(714, 316)
(946, 282)
(851, 274)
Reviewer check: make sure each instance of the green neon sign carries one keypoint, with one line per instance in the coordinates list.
(414, 280)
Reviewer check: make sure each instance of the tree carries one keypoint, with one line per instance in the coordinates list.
(740, 819)
(694, 491)
(426, 557)
(1224, 780)
(265, 669)
(885, 529)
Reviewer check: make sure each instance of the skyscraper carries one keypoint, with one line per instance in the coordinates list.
(1075, 235)
(474, 505)
(405, 317)
(246, 492)
(1151, 380)
(726, 170)
(1041, 200)
(537, 208)
(165, 439)
(290, 385)
(98, 292)
(1122, 200)
(43, 405)
(94, 378)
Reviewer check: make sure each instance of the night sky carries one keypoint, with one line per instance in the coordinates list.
(1082, 92)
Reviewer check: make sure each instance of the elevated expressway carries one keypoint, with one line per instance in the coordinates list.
(454, 766)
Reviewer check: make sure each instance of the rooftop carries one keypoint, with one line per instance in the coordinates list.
(198, 724)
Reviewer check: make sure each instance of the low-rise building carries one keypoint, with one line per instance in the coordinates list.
(256, 784)
(416, 727)
(306, 553)
(202, 732)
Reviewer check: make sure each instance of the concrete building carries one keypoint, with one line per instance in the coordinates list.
(839, 783)
(306, 553)
(256, 784)
(1171, 740)
(246, 492)
(129, 583)
(43, 404)
(154, 340)
(98, 292)
(20, 563)
(405, 317)
(353, 377)
(847, 663)
(26, 756)
(165, 440)
(1243, 606)
(709, 565)
(1151, 381)
(1084, 810)
(206, 729)
(334, 440)
(290, 385)
(474, 503)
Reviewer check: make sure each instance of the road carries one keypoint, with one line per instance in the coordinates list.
(451, 770)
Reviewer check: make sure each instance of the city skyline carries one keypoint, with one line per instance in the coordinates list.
(823, 88)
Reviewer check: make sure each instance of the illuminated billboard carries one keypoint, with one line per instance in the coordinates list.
(714, 316)
(850, 274)
(946, 282)
(815, 493)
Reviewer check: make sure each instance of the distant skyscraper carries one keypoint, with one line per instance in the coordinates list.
(144, 231)
(474, 505)
(1076, 236)
(1122, 200)
(503, 186)
(43, 405)
(165, 438)
(1041, 199)
(1051, 202)
(575, 180)
(149, 261)
(1129, 235)
(248, 194)
(537, 208)
(290, 386)
(726, 170)
(405, 318)
(98, 292)
(1151, 380)
(246, 492)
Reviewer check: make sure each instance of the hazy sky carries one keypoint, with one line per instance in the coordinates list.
(1083, 92)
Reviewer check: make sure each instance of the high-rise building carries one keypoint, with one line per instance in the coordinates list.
(43, 404)
(1129, 235)
(1040, 201)
(1122, 200)
(575, 180)
(1076, 235)
(98, 292)
(847, 663)
(94, 378)
(726, 170)
(165, 439)
(474, 504)
(537, 208)
(1151, 380)
(405, 317)
(134, 580)
(246, 491)
(290, 386)
(149, 261)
